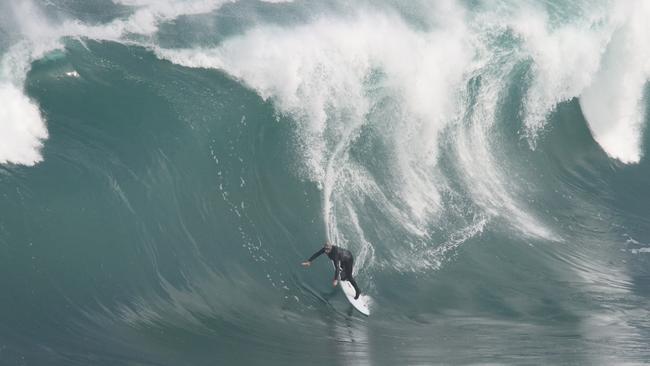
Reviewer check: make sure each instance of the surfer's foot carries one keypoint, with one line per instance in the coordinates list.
(357, 295)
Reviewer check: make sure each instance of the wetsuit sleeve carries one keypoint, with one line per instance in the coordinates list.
(321, 251)
(337, 269)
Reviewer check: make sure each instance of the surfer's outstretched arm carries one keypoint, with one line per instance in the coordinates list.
(314, 256)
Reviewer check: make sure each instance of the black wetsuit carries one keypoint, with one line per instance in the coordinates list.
(343, 262)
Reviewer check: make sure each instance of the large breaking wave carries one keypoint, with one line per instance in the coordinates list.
(483, 160)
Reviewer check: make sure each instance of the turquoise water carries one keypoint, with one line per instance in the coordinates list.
(165, 166)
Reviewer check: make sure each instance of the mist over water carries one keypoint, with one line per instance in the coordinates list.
(165, 166)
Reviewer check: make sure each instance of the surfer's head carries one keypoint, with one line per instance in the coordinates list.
(327, 247)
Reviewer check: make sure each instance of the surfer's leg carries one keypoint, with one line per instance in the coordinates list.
(356, 288)
(344, 272)
(348, 276)
(346, 268)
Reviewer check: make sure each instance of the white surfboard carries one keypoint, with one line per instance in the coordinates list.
(362, 304)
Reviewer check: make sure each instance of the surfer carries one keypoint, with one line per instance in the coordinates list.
(343, 262)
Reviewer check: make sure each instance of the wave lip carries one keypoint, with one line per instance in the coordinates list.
(23, 129)
(613, 103)
(22, 126)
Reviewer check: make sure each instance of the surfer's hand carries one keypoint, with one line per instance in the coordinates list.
(306, 264)
(334, 283)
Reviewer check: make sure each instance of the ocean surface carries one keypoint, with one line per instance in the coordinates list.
(166, 165)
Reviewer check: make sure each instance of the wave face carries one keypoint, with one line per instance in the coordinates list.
(166, 165)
